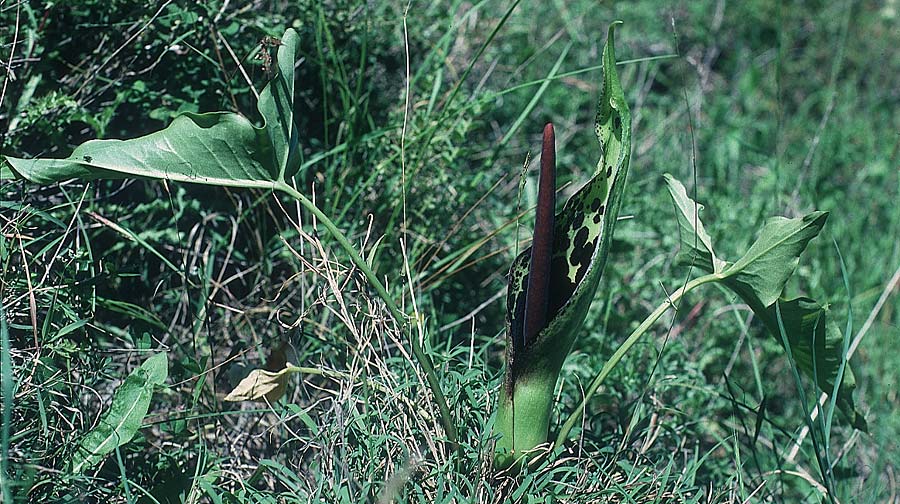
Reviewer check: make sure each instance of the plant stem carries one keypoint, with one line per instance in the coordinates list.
(623, 348)
(419, 352)
(338, 375)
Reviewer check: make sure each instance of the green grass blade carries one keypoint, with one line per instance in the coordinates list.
(6, 392)
(783, 333)
(845, 349)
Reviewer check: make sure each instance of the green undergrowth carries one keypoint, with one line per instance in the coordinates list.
(762, 108)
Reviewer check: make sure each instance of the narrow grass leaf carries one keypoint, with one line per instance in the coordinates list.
(130, 404)
(305, 418)
(816, 345)
(782, 332)
(70, 328)
(6, 404)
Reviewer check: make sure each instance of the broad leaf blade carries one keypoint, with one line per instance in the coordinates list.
(800, 317)
(121, 422)
(759, 278)
(762, 273)
(262, 385)
(772, 259)
(276, 105)
(6, 172)
(696, 245)
(817, 348)
(218, 148)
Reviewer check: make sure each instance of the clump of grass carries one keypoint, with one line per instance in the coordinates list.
(95, 275)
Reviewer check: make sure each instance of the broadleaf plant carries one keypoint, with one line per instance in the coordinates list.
(223, 149)
(120, 423)
(217, 148)
(758, 278)
(552, 284)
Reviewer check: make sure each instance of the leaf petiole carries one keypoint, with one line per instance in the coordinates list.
(623, 349)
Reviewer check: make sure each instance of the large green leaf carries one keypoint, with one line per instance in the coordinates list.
(223, 149)
(759, 278)
(121, 422)
(772, 259)
(582, 235)
(218, 148)
(696, 245)
(816, 345)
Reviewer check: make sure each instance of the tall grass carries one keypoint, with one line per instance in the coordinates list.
(792, 109)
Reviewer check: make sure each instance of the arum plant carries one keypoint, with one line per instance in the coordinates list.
(801, 325)
(552, 283)
(809, 336)
(223, 149)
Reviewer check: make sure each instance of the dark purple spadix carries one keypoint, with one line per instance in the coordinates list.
(537, 291)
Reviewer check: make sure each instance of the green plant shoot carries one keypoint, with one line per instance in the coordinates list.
(121, 422)
(550, 290)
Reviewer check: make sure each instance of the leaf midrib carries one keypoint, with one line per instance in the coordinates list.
(733, 270)
(98, 449)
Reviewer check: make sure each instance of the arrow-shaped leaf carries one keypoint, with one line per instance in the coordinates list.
(759, 278)
(218, 148)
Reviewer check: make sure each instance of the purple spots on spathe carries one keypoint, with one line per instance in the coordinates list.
(578, 222)
(581, 238)
(561, 288)
(598, 215)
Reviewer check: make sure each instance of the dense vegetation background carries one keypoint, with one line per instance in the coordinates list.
(415, 125)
